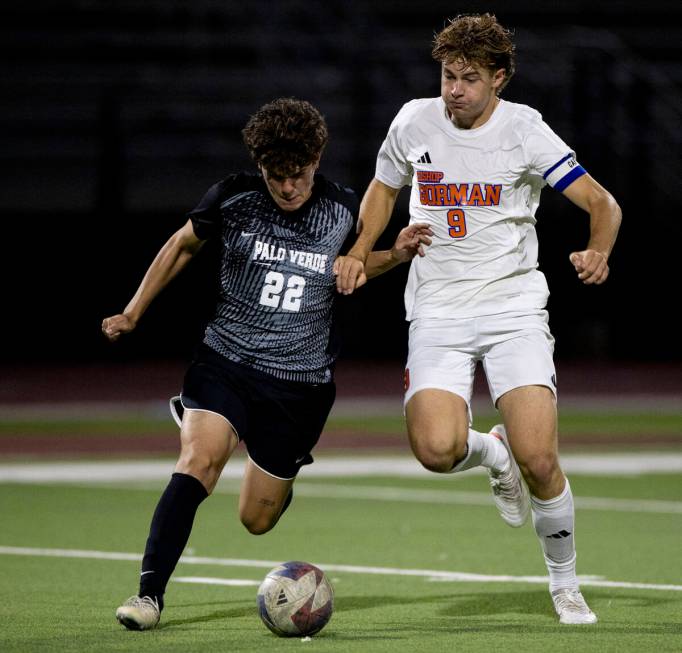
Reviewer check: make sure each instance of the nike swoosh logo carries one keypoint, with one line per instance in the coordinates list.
(248, 234)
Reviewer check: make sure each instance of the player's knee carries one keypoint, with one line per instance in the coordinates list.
(200, 465)
(541, 469)
(257, 524)
(437, 449)
(436, 463)
(435, 456)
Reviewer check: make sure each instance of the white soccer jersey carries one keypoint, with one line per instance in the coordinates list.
(478, 189)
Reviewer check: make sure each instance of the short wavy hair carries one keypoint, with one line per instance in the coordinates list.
(478, 39)
(285, 135)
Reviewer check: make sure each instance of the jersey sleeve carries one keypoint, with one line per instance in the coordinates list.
(550, 157)
(206, 217)
(393, 168)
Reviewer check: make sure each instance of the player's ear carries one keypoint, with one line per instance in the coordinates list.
(499, 77)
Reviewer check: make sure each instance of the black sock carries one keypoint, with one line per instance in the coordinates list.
(169, 532)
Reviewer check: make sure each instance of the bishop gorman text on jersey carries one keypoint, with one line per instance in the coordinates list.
(433, 193)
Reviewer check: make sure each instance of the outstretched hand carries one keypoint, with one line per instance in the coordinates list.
(115, 326)
(410, 242)
(352, 272)
(590, 265)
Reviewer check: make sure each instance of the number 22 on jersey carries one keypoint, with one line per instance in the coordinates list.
(274, 291)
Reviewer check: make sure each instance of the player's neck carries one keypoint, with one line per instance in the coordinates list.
(479, 120)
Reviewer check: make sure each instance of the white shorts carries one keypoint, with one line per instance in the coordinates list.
(515, 348)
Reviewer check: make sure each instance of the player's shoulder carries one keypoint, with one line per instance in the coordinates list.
(337, 193)
(231, 185)
(416, 108)
(521, 116)
(416, 118)
(240, 182)
(420, 104)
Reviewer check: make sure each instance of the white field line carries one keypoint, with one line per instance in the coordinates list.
(102, 474)
(417, 495)
(325, 466)
(428, 574)
(205, 580)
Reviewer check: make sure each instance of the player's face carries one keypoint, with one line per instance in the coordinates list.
(290, 193)
(469, 92)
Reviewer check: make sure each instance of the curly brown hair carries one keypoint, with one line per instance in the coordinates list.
(285, 135)
(478, 39)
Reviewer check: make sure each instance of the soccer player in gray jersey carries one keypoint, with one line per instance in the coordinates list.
(477, 164)
(264, 371)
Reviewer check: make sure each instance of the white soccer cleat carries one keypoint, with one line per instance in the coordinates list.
(572, 608)
(139, 613)
(509, 489)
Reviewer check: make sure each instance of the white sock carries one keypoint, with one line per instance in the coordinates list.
(483, 449)
(554, 522)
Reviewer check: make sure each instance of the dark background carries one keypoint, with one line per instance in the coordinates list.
(117, 116)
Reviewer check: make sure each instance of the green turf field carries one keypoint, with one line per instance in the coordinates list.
(393, 548)
(624, 422)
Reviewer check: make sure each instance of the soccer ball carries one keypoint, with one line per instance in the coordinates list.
(295, 599)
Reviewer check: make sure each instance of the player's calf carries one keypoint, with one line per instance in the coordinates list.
(543, 474)
(265, 516)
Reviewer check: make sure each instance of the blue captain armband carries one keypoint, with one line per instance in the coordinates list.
(563, 173)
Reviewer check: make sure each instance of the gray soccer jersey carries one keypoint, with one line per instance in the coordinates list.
(275, 306)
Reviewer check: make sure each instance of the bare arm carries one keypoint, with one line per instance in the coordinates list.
(605, 217)
(172, 258)
(375, 212)
(409, 243)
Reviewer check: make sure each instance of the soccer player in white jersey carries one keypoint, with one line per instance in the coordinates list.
(476, 164)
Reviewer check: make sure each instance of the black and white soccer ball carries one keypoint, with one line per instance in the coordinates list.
(295, 599)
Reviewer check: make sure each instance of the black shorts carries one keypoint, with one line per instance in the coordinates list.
(279, 421)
